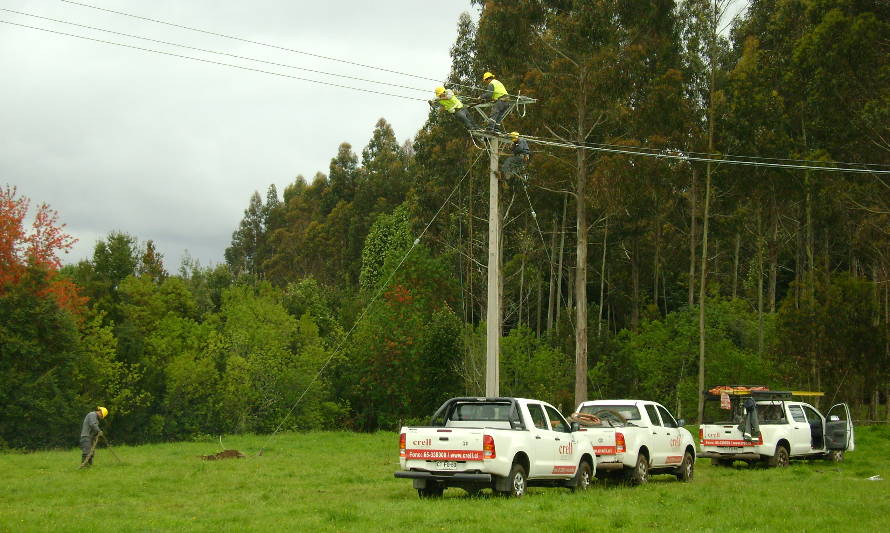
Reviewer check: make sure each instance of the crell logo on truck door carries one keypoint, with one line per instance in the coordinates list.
(675, 442)
(424, 442)
(567, 449)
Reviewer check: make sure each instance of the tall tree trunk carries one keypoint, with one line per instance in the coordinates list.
(656, 264)
(552, 294)
(702, 285)
(759, 281)
(735, 265)
(599, 325)
(635, 286)
(562, 243)
(773, 257)
(521, 289)
(470, 265)
(693, 238)
(540, 285)
(581, 274)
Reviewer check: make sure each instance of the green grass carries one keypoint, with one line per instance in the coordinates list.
(344, 482)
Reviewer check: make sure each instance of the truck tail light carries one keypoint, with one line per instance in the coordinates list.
(488, 451)
(402, 446)
(620, 446)
(701, 434)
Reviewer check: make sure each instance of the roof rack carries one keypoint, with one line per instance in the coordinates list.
(756, 392)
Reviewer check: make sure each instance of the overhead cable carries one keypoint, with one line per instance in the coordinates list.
(212, 51)
(714, 159)
(259, 43)
(212, 62)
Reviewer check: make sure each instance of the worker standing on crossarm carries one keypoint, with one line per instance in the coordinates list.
(515, 163)
(451, 103)
(497, 93)
(89, 434)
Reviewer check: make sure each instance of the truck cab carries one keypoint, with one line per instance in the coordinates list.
(771, 427)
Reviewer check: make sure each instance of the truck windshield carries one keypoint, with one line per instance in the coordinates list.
(612, 415)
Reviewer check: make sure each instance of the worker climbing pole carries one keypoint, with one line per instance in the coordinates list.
(500, 103)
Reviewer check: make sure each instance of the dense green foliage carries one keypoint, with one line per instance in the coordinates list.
(355, 299)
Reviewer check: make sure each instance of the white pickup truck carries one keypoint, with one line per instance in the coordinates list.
(505, 444)
(772, 428)
(634, 439)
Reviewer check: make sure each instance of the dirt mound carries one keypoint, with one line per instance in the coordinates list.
(225, 454)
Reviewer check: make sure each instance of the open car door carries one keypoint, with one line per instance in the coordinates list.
(839, 429)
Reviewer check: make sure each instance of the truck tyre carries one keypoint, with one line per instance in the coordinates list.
(640, 473)
(583, 477)
(433, 491)
(686, 469)
(780, 459)
(517, 481)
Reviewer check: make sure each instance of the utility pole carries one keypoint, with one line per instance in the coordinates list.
(493, 313)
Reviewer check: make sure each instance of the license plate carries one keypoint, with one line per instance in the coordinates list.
(729, 449)
(446, 465)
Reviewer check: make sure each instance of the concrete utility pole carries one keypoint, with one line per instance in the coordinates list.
(493, 313)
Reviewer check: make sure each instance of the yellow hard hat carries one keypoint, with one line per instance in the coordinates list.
(102, 410)
(439, 91)
(514, 135)
(487, 75)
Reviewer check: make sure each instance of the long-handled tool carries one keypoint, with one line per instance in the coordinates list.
(108, 444)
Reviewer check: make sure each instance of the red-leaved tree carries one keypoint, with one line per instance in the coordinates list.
(40, 247)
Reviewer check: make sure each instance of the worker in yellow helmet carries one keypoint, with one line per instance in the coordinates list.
(450, 102)
(497, 93)
(89, 434)
(515, 163)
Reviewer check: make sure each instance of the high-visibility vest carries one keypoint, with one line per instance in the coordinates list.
(450, 104)
(498, 89)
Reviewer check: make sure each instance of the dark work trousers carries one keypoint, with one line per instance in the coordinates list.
(498, 110)
(464, 117)
(86, 443)
(513, 165)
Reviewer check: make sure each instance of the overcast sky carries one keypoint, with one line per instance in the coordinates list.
(169, 149)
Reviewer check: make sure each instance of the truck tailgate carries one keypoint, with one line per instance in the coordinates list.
(425, 447)
(727, 436)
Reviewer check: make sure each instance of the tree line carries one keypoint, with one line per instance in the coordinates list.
(624, 275)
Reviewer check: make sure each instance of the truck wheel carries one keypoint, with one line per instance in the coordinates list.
(780, 459)
(431, 492)
(640, 473)
(517, 481)
(583, 477)
(686, 469)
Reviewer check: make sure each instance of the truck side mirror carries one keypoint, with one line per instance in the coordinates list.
(681, 422)
(575, 427)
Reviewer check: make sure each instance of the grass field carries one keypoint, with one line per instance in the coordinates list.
(344, 482)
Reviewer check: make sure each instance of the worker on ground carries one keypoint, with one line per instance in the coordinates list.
(450, 102)
(89, 434)
(495, 92)
(515, 163)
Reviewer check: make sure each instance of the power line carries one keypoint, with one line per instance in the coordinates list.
(259, 43)
(682, 157)
(212, 51)
(211, 61)
(732, 156)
